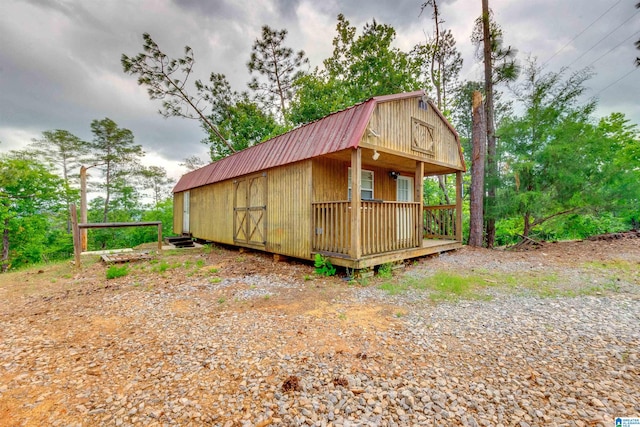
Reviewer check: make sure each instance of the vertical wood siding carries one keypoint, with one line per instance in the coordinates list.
(289, 210)
(392, 121)
(212, 212)
(331, 182)
(177, 212)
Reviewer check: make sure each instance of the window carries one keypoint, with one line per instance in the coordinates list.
(366, 182)
(404, 189)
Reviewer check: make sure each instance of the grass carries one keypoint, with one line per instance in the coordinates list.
(385, 271)
(115, 271)
(442, 286)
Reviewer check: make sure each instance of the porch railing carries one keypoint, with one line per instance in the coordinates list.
(385, 226)
(440, 222)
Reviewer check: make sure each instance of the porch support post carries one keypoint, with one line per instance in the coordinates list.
(419, 191)
(356, 215)
(419, 196)
(459, 206)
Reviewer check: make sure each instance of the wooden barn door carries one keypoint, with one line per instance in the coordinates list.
(250, 210)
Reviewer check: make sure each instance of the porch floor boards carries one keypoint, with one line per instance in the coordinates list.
(429, 246)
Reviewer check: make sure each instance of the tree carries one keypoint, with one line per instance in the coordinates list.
(158, 73)
(30, 197)
(439, 59)
(116, 155)
(192, 163)
(279, 65)
(239, 119)
(617, 157)
(155, 179)
(359, 68)
(65, 151)
(443, 61)
(476, 198)
(550, 151)
(499, 65)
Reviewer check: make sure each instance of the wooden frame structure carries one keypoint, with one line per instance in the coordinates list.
(78, 227)
(291, 195)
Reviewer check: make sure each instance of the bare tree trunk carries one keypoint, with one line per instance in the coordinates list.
(442, 183)
(5, 246)
(527, 225)
(489, 119)
(477, 172)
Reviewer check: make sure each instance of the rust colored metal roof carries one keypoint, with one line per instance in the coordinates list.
(335, 132)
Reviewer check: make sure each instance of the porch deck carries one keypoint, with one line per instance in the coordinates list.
(429, 246)
(389, 231)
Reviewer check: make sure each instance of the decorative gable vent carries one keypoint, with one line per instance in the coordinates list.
(422, 137)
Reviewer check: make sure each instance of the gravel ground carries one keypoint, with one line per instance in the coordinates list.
(181, 354)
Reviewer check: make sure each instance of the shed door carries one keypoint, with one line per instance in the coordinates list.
(250, 210)
(185, 212)
(404, 193)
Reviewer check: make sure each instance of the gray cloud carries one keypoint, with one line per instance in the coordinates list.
(60, 60)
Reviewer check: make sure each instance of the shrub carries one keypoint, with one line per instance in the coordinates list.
(323, 266)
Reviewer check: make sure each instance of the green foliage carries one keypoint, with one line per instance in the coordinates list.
(385, 271)
(323, 266)
(117, 155)
(278, 65)
(549, 151)
(442, 286)
(115, 271)
(360, 67)
(31, 199)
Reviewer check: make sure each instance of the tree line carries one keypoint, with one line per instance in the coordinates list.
(550, 168)
(38, 185)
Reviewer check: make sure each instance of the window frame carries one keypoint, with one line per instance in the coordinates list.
(362, 190)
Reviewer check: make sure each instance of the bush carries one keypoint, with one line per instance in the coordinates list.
(324, 266)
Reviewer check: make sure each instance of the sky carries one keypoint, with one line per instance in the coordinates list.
(60, 59)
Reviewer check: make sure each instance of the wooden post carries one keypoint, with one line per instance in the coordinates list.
(77, 248)
(419, 194)
(356, 215)
(83, 206)
(459, 206)
(159, 237)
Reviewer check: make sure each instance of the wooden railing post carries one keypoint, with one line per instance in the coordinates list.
(356, 215)
(419, 192)
(459, 206)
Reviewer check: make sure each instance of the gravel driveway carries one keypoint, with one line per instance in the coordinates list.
(270, 350)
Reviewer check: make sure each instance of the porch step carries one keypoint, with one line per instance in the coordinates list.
(180, 241)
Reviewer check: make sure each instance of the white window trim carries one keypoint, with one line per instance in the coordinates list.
(362, 171)
(409, 181)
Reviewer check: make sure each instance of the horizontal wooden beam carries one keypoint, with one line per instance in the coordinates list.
(118, 224)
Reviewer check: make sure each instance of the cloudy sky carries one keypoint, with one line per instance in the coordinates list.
(60, 59)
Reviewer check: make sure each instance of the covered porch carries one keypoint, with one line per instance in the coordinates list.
(361, 233)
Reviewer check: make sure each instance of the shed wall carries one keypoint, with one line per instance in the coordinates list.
(289, 210)
(211, 212)
(330, 181)
(177, 212)
(393, 123)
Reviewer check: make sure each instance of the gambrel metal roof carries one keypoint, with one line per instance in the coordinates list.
(335, 132)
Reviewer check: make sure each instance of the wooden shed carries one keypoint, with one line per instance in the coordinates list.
(348, 186)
